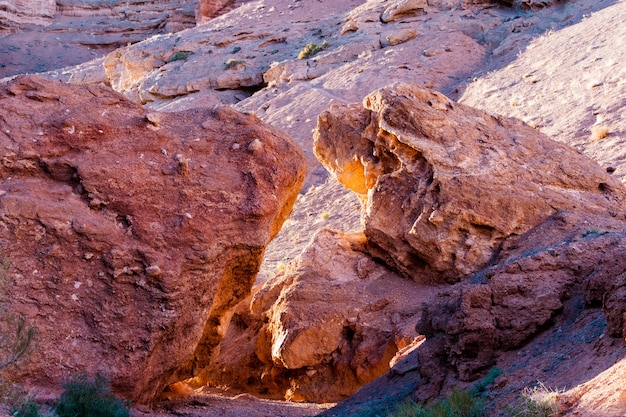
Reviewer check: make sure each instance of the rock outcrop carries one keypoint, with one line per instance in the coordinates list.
(16, 13)
(208, 9)
(444, 185)
(127, 236)
(331, 322)
(130, 20)
(504, 306)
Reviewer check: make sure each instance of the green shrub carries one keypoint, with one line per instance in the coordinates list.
(311, 49)
(84, 397)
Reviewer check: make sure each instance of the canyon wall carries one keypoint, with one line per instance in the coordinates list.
(21, 12)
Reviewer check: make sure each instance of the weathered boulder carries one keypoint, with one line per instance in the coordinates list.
(443, 185)
(127, 236)
(332, 321)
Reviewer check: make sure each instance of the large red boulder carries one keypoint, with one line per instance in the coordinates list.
(127, 236)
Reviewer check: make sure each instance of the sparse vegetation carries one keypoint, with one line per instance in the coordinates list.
(487, 381)
(593, 231)
(457, 404)
(312, 49)
(85, 397)
(599, 132)
(538, 401)
(27, 408)
(180, 55)
(233, 63)
(17, 401)
(14, 346)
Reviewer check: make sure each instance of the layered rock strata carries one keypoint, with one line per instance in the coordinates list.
(127, 236)
(16, 13)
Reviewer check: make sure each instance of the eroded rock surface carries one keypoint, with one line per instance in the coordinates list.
(331, 322)
(129, 235)
(444, 185)
(504, 306)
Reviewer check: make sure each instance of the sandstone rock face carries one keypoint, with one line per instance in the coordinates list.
(443, 185)
(331, 322)
(502, 307)
(208, 9)
(129, 235)
(127, 16)
(19, 12)
(249, 58)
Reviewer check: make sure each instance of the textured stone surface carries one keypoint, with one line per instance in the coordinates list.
(126, 16)
(443, 185)
(504, 306)
(16, 13)
(129, 235)
(331, 322)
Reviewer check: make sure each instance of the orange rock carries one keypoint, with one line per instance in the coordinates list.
(444, 185)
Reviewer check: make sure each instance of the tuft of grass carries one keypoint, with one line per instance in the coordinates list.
(312, 49)
(593, 231)
(457, 404)
(233, 63)
(599, 132)
(85, 397)
(178, 56)
(538, 401)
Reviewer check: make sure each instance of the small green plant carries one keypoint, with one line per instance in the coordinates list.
(180, 55)
(538, 401)
(19, 342)
(593, 231)
(85, 397)
(28, 408)
(233, 63)
(482, 385)
(325, 215)
(311, 49)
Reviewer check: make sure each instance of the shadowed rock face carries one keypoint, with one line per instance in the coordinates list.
(126, 236)
(443, 185)
(569, 256)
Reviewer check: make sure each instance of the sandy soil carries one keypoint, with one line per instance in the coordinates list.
(216, 403)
